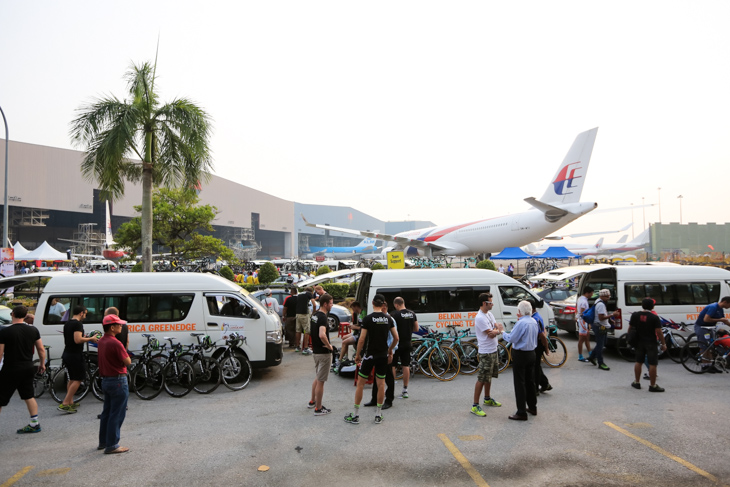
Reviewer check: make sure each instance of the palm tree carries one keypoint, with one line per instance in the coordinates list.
(169, 144)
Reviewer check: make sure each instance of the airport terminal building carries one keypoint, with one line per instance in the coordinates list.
(49, 200)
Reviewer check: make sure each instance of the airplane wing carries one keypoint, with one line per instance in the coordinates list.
(576, 235)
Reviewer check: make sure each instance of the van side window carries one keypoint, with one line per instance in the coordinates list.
(158, 307)
(512, 295)
(673, 293)
(435, 300)
(57, 311)
(228, 306)
(94, 304)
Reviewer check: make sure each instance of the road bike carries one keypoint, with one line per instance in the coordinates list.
(60, 378)
(699, 358)
(235, 367)
(207, 369)
(674, 341)
(558, 353)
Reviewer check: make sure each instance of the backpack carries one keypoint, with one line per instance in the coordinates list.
(589, 315)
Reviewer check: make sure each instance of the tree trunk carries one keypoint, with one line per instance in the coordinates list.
(147, 220)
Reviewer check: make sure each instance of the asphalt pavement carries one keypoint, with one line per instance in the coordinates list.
(591, 429)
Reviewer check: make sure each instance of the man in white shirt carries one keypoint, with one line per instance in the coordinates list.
(487, 330)
(270, 303)
(584, 334)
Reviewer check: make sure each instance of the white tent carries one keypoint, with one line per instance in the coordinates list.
(44, 252)
(19, 251)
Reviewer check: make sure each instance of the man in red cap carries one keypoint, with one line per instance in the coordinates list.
(113, 362)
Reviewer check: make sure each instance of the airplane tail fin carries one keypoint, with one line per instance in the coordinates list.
(567, 184)
(108, 224)
(642, 238)
(623, 239)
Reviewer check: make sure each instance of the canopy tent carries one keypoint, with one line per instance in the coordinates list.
(19, 251)
(557, 253)
(44, 252)
(511, 253)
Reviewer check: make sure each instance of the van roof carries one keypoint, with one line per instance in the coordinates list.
(65, 282)
(432, 277)
(649, 270)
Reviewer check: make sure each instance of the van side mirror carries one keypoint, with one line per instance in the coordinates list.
(540, 303)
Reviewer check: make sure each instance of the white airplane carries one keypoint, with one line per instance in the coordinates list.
(599, 247)
(556, 208)
(366, 246)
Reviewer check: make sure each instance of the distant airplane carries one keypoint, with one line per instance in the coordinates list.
(107, 251)
(559, 206)
(367, 246)
(599, 247)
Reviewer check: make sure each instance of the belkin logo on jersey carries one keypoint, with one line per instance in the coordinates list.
(566, 180)
(407, 315)
(377, 319)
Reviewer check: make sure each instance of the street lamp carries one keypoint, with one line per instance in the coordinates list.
(659, 191)
(680, 197)
(643, 213)
(632, 221)
(5, 201)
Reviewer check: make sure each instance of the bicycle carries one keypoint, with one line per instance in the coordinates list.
(235, 368)
(466, 351)
(207, 369)
(699, 359)
(178, 375)
(146, 376)
(434, 359)
(42, 382)
(558, 352)
(60, 379)
(674, 341)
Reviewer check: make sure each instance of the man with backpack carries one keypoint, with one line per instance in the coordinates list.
(600, 327)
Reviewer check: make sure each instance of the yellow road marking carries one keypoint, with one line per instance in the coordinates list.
(664, 452)
(16, 477)
(53, 471)
(463, 461)
(471, 437)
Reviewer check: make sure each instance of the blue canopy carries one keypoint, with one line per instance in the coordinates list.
(511, 253)
(557, 253)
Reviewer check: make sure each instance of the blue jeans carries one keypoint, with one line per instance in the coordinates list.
(116, 394)
(597, 351)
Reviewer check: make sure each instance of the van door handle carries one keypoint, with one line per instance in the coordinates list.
(212, 324)
(507, 313)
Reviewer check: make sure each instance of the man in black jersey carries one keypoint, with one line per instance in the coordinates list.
(389, 377)
(406, 323)
(322, 351)
(17, 343)
(376, 354)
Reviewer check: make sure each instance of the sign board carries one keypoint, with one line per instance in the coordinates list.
(396, 260)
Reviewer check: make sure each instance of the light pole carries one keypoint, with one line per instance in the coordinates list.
(632, 221)
(680, 197)
(643, 213)
(659, 192)
(5, 201)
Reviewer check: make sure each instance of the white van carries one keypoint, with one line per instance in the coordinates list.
(163, 304)
(443, 297)
(680, 291)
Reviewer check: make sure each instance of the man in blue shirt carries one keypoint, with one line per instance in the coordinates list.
(524, 341)
(706, 321)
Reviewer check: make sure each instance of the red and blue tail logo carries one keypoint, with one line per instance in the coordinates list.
(566, 179)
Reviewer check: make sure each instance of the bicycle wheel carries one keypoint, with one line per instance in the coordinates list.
(40, 381)
(443, 362)
(692, 357)
(179, 378)
(469, 358)
(558, 353)
(208, 375)
(398, 375)
(59, 386)
(148, 379)
(96, 386)
(626, 351)
(504, 356)
(236, 371)
(675, 344)
(422, 361)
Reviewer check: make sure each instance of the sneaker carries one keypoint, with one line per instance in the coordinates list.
(592, 360)
(306, 351)
(75, 405)
(336, 370)
(322, 412)
(311, 404)
(478, 411)
(636, 385)
(491, 402)
(30, 429)
(547, 388)
(404, 395)
(709, 369)
(604, 367)
(297, 349)
(656, 388)
(66, 409)
(352, 419)
(581, 358)
(378, 419)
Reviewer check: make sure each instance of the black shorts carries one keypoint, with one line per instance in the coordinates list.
(648, 350)
(75, 365)
(16, 379)
(402, 355)
(380, 364)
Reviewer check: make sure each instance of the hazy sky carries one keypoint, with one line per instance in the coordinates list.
(441, 111)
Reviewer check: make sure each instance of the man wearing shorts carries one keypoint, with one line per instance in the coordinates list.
(73, 356)
(487, 330)
(376, 355)
(16, 353)
(303, 316)
(322, 351)
(406, 322)
(709, 317)
(352, 338)
(584, 336)
(648, 329)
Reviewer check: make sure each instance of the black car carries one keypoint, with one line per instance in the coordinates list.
(338, 314)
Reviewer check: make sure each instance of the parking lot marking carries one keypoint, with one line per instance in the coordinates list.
(471, 437)
(664, 452)
(463, 461)
(53, 471)
(16, 477)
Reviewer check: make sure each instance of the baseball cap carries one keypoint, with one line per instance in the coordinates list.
(113, 320)
(268, 292)
(604, 292)
(378, 300)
